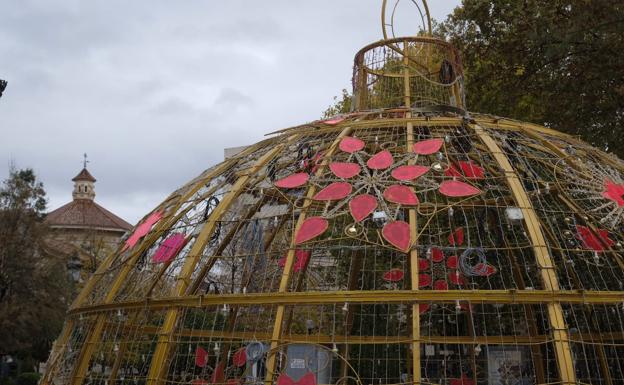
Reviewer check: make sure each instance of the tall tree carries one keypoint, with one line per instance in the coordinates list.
(34, 283)
(553, 62)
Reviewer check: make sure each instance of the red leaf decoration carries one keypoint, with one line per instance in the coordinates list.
(393, 275)
(456, 279)
(592, 241)
(452, 171)
(308, 379)
(424, 280)
(333, 192)
(240, 357)
(201, 357)
(310, 229)
(437, 255)
(351, 145)
(362, 206)
(464, 380)
(169, 248)
(345, 170)
(217, 375)
(614, 192)
(428, 147)
(293, 181)
(405, 173)
(398, 234)
(440, 285)
(380, 161)
(423, 264)
(471, 170)
(423, 307)
(142, 229)
(303, 256)
(484, 269)
(451, 262)
(453, 188)
(457, 237)
(401, 194)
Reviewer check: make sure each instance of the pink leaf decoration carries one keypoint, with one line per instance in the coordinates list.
(293, 181)
(169, 248)
(428, 147)
(303, 256)
(351, 145)
(440, 285)
(484, 269)
(334, 191)
(310, 229)
(456, 278)
(423, 264)
(361, 206)
(592, 241)
(307, 379)
(452, 171)
(201, 357)
(405, 173)
(345, 170)
(333, 121)
(472, 170)
(614, 192)
(393, 275)
(451, 262)
(240, 357)
(142, 229)
(453, 188)
(424, 280)
(457, 237)
(423, 308)
(398, 234)
(401, 195)
(380, 161)
(437, 255)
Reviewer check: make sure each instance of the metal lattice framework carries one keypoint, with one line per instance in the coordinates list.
(406, 242)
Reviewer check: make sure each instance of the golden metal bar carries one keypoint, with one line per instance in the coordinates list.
(556, 320)
(371, 296)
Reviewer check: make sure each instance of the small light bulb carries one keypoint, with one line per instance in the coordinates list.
(345, 308)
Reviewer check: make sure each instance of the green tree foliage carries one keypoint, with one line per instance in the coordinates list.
(554, 62)
(34, 285)
(341, 105)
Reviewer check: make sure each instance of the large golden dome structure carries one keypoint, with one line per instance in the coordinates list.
(406, 242)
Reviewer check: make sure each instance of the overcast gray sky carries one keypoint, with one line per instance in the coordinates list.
(153, 90)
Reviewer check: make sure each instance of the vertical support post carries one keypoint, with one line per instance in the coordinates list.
(561, 340)
(166, 332)
(290, 260)
(413, 227)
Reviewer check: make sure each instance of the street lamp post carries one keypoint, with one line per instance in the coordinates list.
(3, 84)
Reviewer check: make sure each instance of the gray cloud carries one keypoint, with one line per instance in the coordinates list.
(154, 90)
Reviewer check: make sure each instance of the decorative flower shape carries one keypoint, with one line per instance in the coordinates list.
(381, 180)
(596, 242)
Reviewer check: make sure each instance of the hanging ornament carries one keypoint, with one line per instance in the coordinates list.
(240, 357)
(362, 206)
(310, 229)
(293, 181)
(201, 357)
